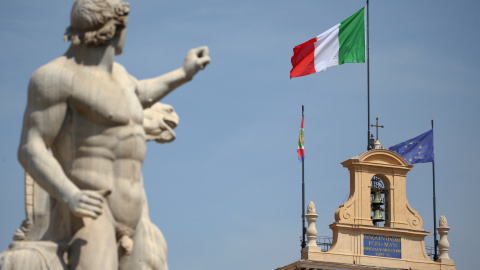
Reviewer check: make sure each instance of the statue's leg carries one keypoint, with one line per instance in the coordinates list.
(149, 248)
(93, 245)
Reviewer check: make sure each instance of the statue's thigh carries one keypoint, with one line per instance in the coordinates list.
(94, 245)
(149, 249)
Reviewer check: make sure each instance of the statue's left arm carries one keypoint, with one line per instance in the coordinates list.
(152, 90)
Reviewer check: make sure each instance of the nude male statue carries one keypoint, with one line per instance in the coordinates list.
(84, 141)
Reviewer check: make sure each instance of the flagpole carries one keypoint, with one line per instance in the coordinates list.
(303, 197)
(367, 47)
(435, 256)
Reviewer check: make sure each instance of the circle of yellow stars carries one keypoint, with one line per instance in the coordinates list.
(419, 152)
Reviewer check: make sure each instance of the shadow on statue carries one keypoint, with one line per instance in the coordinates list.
(82, 146)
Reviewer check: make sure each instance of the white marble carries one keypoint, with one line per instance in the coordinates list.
(82, 146)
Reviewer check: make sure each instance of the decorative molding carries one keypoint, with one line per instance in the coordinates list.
(443, 222)
(344, 212)
(311, 208)
(415, 221)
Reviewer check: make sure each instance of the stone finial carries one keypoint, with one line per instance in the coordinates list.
(443, 222)
(311, 229)
(443, 245)
(311, 208)
(377, 145)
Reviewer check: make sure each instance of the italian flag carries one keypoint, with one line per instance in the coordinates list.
(343, 43)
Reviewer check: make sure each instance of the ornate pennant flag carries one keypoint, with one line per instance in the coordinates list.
(301, 150)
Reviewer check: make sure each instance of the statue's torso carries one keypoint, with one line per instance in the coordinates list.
(102, 142)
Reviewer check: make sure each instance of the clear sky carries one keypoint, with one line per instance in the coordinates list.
(227, 192)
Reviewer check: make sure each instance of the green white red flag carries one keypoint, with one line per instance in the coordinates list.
(343, 43)
(301, 150)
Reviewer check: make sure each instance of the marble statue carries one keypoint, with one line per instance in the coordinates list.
(82, 146)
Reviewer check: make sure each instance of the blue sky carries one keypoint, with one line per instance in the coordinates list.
(227, 192)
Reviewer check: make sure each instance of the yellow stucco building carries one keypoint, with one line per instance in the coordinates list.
(376, 228)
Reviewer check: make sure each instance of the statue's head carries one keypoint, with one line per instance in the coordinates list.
(96, 22)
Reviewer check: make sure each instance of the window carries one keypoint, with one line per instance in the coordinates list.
(378, 194)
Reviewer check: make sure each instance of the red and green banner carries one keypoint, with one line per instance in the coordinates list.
(301, 150)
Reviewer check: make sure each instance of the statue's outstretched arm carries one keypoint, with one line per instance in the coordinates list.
(152, 90)
(44, 115)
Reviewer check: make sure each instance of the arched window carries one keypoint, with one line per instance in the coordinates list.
(379, 212)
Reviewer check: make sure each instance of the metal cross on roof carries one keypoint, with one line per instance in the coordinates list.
(377, 126)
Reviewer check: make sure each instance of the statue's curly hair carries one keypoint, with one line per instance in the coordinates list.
(95, 22)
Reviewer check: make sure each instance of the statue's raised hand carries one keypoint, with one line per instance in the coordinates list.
(87, 203)
(196, 59)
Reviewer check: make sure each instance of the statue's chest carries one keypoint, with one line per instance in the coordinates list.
(106, 101)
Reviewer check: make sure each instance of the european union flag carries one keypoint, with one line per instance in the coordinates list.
(418, 149)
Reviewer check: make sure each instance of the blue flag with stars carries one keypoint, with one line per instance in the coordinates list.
(418, 149)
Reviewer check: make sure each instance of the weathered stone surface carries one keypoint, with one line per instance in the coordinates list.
(83, 144)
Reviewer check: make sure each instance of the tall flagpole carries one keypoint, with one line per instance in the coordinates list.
(303, 198)
(435, 256)
(367, 47)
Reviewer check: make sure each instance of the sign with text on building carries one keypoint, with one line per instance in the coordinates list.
(382, 246)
